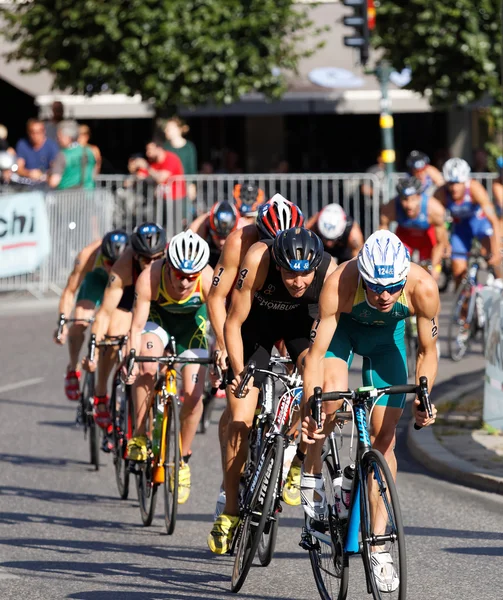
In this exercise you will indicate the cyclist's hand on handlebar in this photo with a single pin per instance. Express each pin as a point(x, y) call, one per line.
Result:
point(62, 338)
point(310, 431)
point(215, 377)
point(134, 374)
point(421, 417)
point(221, 358)
point(89, 365)
point(235, 384)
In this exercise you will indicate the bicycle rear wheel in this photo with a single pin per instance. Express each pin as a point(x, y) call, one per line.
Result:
point(460, 327)
point(90, 426)
point(120, 407)
point(147, 491)
point(382, 526)
point(171, 465)
point(328, 561)
point(259, 509)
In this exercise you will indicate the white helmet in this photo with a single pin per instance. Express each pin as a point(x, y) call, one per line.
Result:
point(332, 222)
point(383, 259)
point(456, 170)
point(188, 252)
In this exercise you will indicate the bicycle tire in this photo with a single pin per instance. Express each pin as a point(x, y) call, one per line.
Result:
point(120, 407)
point(330, 565)
point(171, 467)
point(374, 465)
point(262, 502)
point(457, 346)
point(145, 486)
point(87, 400)
point(208, 405)
point(267, 543)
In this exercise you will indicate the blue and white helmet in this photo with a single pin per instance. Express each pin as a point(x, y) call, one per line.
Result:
point(383, 259)
point(456, 170)
point(188, 252)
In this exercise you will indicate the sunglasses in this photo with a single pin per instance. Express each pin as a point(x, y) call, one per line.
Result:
point(392, 288)
point(149, 259)
point(180, 275)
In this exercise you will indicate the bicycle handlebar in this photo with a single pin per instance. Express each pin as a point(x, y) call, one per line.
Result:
point(249, 372)
point(92, 347)
point(424, 400)
point(63, 321)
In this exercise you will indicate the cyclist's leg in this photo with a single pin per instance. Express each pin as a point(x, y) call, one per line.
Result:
point(461, 241)
point(120, 324)
point(193, 377)
point(76, 334)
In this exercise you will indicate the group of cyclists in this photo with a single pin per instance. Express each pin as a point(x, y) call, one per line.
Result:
point(252, 274)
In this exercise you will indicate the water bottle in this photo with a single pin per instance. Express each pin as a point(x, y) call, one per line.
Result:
point(347, 482)
point(156, 434)
point(481, 317)
point(339, 506)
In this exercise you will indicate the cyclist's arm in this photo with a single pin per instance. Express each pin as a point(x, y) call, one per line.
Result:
point(224, 276)
point(440, 195)
point(200, 225)
point(387, 214)
point(480, 196)
point(83, 264)
point(355, 239)
point(120, 277)
point(310, 223)
point(207, 280)
point(436, 175)
point(426, 304)
point(436, 214)
point(145, 288)
point(252, 274)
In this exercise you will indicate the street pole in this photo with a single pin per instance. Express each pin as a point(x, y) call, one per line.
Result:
point(382, 72)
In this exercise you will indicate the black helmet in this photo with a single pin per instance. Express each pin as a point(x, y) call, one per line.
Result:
point(416, 161)
point(114, 243)
point(248, 197)
point(223, 218)
point(298, 250)
point(148, 239)
point(409, 186)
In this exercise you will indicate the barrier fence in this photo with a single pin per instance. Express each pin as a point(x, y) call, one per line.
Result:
point(77, 217)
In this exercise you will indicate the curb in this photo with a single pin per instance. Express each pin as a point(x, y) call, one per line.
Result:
point(428, 451)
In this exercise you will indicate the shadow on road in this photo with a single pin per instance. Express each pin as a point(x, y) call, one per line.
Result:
point(55, 496)
point(71, 407)
point(454, 533)
point(25, 460)
point(498, 551)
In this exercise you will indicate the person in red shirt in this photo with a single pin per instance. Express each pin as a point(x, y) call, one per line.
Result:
point(161, 166)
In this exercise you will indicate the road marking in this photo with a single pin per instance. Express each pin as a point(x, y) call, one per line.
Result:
point(20, 384)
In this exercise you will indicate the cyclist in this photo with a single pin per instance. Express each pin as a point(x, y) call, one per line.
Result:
point(274, 216)
point(89, 276)
point(248, 197)
point(215, 227)
point(170, 300)
point(420, 222)
point(418, 165)
point(148, 243)
point(473, 216)
point(340, 234)
point(278, 280)
point(362, 310)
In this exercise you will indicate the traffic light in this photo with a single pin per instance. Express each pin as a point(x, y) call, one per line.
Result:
point(359, 21)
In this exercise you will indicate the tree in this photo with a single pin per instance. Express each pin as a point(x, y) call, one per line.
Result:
point(452, 48)
point(174, 52)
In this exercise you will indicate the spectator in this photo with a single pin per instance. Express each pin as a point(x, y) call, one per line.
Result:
point(175, 130)
point(161, 166)
point(36, 153)
point(74, 166)
point(379, 170)
point(58, 114)
point(83, 139)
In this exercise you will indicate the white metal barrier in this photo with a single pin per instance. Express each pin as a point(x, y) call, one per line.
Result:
point(78, 217)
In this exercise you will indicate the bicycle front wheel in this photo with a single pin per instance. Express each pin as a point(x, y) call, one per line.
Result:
point(120, 408)
point(382, 530)
point(460, 326)
point(328, 561)
point(87, 400)
point(259, 511)
point(147, 491)
point(171, 466)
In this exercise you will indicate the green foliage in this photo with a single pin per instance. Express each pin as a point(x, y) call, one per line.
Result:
point(453, 48)
point(175, 52)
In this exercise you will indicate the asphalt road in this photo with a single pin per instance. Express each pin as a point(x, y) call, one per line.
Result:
point(65, 534)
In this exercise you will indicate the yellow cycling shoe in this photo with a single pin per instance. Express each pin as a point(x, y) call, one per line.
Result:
point(291, 489)
point(137, 448)
point(222, 533)
point(183, 483)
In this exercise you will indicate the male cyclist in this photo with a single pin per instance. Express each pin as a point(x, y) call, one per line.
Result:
point(278, 280)
point(361, 311)
point(89, 277)
point(420, 220)
point(170, 301)
point(148, 242)
point(473, 216)
point(215, 227)
point(418, 165)
point(248, 197)
point(340, 234)
point(278, 214)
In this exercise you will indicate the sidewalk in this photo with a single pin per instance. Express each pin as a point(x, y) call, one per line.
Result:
point(458, 447)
